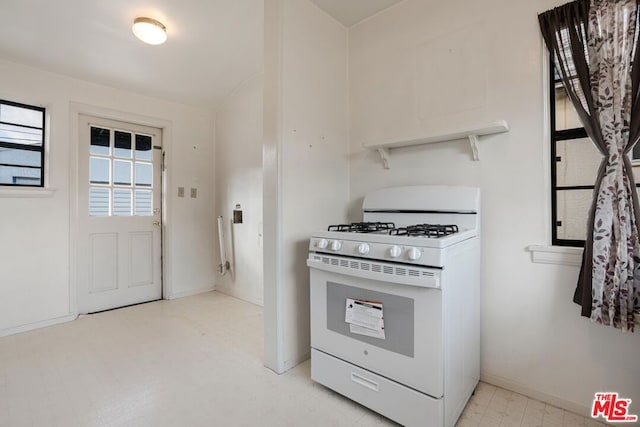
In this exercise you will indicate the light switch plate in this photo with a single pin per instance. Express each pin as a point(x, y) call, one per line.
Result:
point(180, 191)
point(194, 193)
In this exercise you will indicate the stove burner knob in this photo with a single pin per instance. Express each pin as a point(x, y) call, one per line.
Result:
point(395, 251)
point(363, 249)
point(322, 244)
point(414, 254)
point(336, 245)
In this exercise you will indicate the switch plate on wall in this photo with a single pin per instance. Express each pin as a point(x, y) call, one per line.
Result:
point(180, 191)
point(194, 193)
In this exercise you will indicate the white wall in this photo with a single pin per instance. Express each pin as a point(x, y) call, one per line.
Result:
point(35, 258)
point(238, 170)
point(306, 160)
point(423, 66)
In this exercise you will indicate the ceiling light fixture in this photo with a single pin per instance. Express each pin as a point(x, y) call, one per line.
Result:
point(149, 30)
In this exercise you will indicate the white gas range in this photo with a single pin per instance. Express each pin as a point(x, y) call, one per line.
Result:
point(415, 263)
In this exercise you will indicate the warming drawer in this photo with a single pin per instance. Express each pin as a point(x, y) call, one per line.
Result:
point(395, 401)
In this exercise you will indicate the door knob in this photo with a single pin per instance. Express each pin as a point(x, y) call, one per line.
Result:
point(156, 222)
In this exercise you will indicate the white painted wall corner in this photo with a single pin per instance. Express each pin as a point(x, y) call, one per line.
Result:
point(190, 292)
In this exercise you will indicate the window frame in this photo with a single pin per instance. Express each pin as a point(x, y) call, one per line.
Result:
point(134, 187)
point(564, 135)
point(555, 137)
point(41, 148)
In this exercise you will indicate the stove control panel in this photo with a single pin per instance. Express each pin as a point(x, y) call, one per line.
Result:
point(378, 251)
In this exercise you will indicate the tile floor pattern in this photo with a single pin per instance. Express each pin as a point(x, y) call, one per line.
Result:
point(192, 362)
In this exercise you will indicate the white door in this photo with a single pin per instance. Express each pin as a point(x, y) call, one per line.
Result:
point(119, 218)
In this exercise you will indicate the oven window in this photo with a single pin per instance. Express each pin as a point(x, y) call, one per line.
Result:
point(398, 317)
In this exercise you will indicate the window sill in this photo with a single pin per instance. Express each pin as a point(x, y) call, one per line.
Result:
point(562, 255)
point(26, 193)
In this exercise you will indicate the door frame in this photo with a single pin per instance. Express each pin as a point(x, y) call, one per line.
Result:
point(75, 110)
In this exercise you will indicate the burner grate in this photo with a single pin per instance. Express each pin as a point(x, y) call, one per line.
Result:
point(363, 227)
point(427, 230)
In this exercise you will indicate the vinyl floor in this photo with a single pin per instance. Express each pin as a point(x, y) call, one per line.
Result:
point(192, 362)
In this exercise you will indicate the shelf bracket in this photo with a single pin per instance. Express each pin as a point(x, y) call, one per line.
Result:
point(384, 155)
point(473, 140)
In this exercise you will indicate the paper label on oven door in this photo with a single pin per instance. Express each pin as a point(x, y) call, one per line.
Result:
point(355, 329)
point(365, 318)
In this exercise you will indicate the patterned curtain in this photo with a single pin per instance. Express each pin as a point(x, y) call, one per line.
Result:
point(594, 45)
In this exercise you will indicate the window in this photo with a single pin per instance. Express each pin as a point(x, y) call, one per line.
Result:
point(574, 164)
point(21, 145)
point(120, 173)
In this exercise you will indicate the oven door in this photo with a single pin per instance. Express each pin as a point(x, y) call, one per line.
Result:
point(411, 352)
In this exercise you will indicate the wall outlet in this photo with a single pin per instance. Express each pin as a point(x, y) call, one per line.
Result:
point(194, 193)
point(180, 191)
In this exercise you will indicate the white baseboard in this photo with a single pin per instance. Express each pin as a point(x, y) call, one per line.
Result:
point(292, 363)
point(288, 364)
point(535, 394)
point(37, 325)
point(191, 292)
point(228, 290)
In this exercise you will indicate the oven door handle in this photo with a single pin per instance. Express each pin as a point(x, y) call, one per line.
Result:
point(365, 382)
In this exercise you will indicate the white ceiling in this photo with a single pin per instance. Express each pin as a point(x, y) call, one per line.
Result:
point(213, 45)
point(350, 12)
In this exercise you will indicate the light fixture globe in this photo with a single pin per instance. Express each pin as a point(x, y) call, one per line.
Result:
point(149, 30)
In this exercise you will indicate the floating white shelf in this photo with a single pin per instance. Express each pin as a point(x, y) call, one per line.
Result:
point(473, 133)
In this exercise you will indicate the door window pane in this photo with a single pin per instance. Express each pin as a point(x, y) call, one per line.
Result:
point(121, 202)
point(122, 142)
point(144, 203)
point(143, 147)
point(121, 186)
point(98, 201)
point(99, 141)
point(99, 170)
point(121, 172)
point(144, 174)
